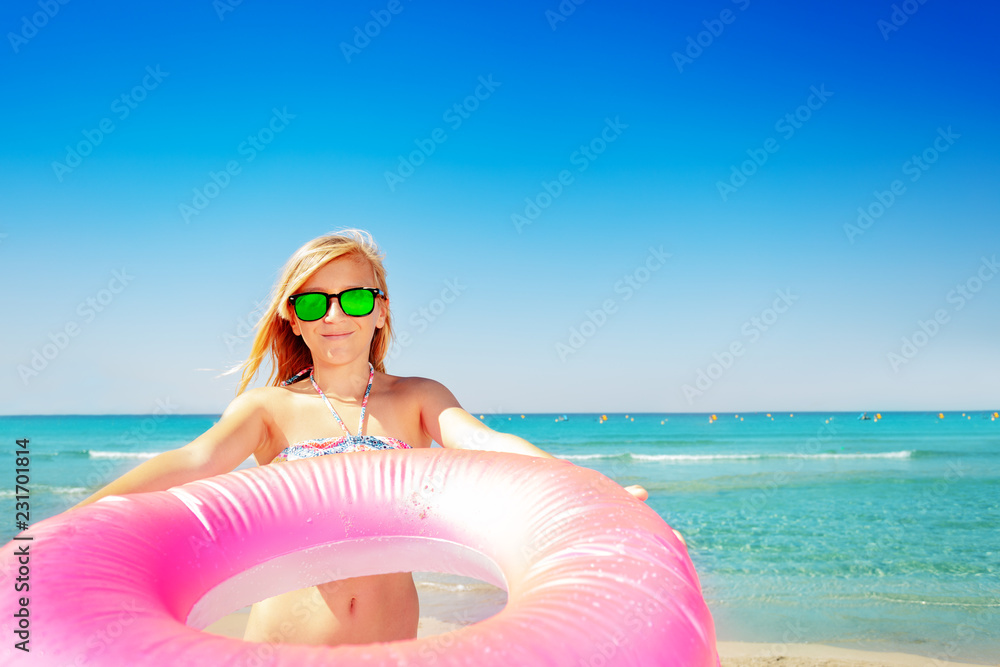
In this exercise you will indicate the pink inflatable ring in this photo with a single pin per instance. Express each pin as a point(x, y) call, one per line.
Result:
point(593, 576)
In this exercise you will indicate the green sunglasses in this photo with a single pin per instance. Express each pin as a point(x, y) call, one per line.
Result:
point(356, 302)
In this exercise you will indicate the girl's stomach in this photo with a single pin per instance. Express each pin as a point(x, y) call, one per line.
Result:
point(360, 610)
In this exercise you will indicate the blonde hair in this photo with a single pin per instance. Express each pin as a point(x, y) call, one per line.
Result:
point(275, 340)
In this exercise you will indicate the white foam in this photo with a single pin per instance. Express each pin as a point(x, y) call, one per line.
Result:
point(61, 490)
point(94, 454)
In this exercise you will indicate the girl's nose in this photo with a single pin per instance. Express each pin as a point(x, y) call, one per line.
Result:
point(334, 313)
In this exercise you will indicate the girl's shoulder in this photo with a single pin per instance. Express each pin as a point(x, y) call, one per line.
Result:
point(266, 399)
point(412, 384)
point(417, 390)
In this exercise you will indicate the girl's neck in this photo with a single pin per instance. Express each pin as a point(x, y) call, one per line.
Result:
point(345, 383)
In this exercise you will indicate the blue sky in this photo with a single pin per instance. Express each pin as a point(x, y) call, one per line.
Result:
point(702, 252)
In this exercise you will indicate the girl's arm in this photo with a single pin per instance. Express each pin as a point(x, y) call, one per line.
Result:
point(240, 430)
point(450, 426)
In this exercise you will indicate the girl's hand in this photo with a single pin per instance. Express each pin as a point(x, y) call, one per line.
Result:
point(638, 492)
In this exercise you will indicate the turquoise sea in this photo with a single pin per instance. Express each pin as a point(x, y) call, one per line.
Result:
point(882, 534)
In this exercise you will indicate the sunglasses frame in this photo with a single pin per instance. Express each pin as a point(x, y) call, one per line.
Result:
point(329, 301)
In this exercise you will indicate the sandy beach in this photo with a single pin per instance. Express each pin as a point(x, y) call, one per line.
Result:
point(733, 654)
point(746, 654)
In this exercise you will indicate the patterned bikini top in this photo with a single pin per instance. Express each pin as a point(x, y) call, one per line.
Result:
point(345, 443)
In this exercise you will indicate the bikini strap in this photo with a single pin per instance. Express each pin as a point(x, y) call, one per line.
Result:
point(298, 376)
point(364, 401)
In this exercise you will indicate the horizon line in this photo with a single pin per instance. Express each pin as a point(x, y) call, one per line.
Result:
point(556, 413)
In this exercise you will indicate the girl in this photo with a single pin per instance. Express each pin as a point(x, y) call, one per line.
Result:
point(330, 316)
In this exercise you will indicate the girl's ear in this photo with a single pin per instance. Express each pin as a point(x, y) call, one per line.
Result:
point(382, 310)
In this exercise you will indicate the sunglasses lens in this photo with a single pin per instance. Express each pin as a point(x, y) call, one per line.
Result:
point(357, 302)
point(310, 307)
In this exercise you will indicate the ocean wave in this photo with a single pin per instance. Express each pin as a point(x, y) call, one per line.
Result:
point(97, 454)
point(58, 490)
point(932, 603)
point(589, 457)
point(695, 458)
point(37, 453)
